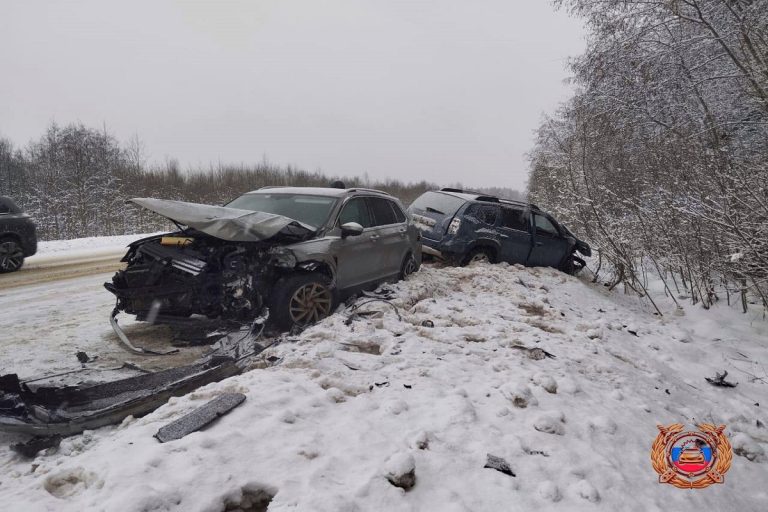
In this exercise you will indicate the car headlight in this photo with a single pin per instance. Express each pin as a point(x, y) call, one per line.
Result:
point(282, 257)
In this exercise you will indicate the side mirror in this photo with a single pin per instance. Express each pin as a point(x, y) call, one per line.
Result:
point(351, 229)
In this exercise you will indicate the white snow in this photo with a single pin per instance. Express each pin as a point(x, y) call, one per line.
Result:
point(345, 404)
point(60, 252)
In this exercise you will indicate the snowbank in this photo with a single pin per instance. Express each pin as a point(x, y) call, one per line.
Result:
point(80, 250)
point(350, 403)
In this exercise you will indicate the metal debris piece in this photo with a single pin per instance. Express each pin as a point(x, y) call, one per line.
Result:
point(499, 464)
point(68, 410)
point(200, 417)
point(719, 380)
point(127, 342)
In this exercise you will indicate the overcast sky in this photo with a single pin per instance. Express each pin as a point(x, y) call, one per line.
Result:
point(442, 90)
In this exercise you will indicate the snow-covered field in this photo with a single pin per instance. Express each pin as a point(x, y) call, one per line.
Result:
point(347, 402)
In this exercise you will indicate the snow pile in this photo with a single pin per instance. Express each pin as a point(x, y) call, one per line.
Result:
point(461, 370)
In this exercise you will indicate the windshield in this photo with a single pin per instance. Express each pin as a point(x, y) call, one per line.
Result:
point(311, 210)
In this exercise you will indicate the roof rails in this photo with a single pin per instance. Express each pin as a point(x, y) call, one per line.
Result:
point(359, 189)
point(491, 199)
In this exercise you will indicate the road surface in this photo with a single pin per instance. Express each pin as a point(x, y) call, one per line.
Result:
point(48, 315)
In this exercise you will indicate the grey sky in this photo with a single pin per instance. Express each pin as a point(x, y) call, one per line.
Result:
point(441, 90)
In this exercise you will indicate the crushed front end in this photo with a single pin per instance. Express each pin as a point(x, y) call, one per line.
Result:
point(182, 274)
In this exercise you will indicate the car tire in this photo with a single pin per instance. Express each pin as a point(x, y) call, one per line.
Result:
point(409, 266)
point(478, 254)
point(574, 265)
point(299, 300)
point(11, 255)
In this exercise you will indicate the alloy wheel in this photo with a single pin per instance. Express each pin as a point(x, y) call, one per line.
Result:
point(11, 256)
point(409, 267)
point(310, 303)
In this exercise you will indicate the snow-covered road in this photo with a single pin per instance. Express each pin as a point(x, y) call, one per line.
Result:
point(66, 259)
point(43, 326)
point(349, 400)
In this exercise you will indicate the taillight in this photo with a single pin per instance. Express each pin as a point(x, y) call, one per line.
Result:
point(454, 226)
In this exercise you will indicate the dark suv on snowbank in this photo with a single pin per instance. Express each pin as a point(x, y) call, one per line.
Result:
point(18, 237)
point(461, 227)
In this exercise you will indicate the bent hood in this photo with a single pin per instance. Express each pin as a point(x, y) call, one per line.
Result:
point(231, 224)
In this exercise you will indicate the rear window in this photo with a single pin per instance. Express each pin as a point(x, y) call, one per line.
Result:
point(484, 213)
point(398, 212)
point(437, 202)
point(514, 219)
point(383, 214)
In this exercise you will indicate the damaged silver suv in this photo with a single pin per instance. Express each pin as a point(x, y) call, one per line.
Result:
point(297, 251)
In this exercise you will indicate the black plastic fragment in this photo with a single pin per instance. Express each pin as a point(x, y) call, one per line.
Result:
point(200, 417)
point(33, 446)
point(719, 380)
point(499, 465)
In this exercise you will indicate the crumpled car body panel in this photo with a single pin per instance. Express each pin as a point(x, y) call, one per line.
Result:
point(230, 224)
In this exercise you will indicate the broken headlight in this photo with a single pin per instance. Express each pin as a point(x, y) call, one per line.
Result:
point(282, 257)
point(454, 226)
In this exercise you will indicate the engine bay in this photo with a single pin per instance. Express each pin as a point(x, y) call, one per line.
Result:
point(181, 274)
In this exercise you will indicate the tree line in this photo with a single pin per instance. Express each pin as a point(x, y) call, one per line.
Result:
point(75, 180)
point(660, 157)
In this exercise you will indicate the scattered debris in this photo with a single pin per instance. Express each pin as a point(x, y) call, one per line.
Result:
point(633, 333)
point(365, 347)
point(401, 471)
point(200, 417)
point(534, 353)
point(252, 499)
point(428, 323)
point(719, 380)
point(535, 452)
point(69, 410)
point(354, 309)
point(33, 446)
point(499, 464)
point(127, 342)
point(83, 357)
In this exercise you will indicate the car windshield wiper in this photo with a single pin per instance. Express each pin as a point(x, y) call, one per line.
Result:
point(430, 209)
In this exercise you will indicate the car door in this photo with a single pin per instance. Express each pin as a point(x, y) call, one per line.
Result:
point(549, 246)
point(515, 235)
point(390, 236)
point(357, 257)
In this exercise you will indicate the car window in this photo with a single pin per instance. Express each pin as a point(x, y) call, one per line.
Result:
point(544, 226)
point(483, 212)
point(383, 214)
point(399, 215)
point(513, 218)
point(437, 202)
point(356, 211)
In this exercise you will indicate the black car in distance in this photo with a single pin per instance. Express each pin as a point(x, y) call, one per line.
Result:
point(18, 236)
